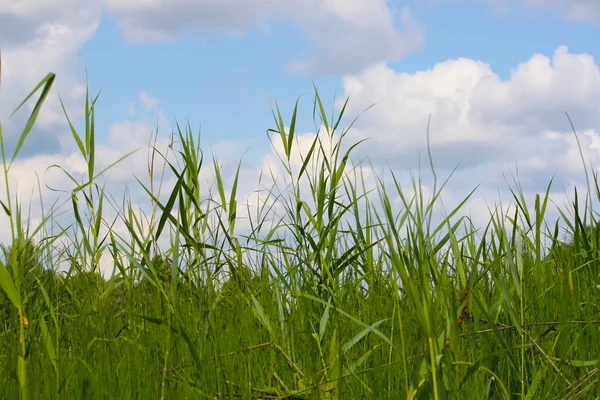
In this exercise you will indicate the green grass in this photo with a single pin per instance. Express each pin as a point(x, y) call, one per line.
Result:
point(338, 290)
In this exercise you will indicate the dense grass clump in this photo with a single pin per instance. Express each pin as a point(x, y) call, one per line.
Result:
point(337, 290)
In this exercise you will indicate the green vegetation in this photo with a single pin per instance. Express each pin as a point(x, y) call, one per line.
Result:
point(336, 291)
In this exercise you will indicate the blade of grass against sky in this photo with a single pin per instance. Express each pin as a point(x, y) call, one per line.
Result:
point(10, 278)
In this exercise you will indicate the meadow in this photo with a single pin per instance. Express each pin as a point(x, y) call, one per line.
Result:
point(337, 290)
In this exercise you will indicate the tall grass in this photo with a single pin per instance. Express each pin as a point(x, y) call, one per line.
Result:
point(339, 289)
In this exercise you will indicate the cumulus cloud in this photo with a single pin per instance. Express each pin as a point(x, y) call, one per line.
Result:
point(38, 37)
point(343, 36)
point(477, 118)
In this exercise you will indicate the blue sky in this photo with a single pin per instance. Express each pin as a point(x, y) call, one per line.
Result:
point(497, 76)
point(206, 76)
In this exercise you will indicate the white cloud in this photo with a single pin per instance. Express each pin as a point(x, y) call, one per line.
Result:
point(344, 36)
point(149, 102)
point(477, 118)
point(39, 37)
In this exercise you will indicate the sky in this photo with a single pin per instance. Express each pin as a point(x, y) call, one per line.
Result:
point(496, 76)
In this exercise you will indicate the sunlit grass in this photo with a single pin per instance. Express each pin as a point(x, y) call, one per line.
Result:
point(336, 291)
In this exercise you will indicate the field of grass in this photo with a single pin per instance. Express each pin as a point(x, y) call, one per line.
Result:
point(337, 291)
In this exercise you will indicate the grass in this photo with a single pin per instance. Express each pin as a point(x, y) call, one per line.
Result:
point(338, 290)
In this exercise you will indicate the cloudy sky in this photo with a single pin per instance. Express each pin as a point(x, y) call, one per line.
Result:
point(496, 75)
